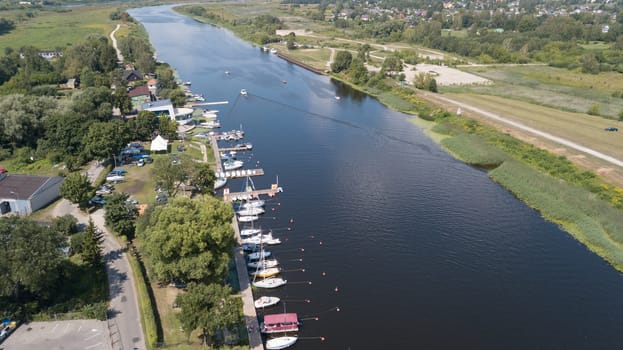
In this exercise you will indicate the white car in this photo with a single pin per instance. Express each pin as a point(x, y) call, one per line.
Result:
point(115, 178)
point(141, 162)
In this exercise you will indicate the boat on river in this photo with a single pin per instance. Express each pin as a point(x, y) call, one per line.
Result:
point(248, 218)
point(280, 343)
point(244, 92)
point(263, 264)
point(252, 204)
point(266, 301)
point(250, 231)
point(219, 182)
point(266, 273)
point(262, 239)
point(272, 282)
point(251, 211)
point(247, 146)
point(277, 323)
point(259, 255)
point(232, 164)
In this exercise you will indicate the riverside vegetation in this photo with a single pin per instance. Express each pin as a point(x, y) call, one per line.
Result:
point(580, 202)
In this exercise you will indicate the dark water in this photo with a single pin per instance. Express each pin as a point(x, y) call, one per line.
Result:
point(417, 250)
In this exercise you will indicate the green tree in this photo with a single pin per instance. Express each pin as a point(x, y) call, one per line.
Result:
point(167, 128)
point(358, 73)
point(363, 53)
point(432, 85)
point(210, 308)
point(65, 225)
point(342, 61)
point(94, 102)
point(589, 63)
point(171, 174)
point(392, 65)
point(91, 249)
point(143, 126)
point(31, 255)
point(202, 177)
point(189, 240)
point(594, 110)
point(105, 139)
point(77, 189)
point(121, 215)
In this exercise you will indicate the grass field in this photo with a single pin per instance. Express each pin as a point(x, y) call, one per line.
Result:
point(317, 58)
point(554, 87)
point(50, 30)
point(582, 128)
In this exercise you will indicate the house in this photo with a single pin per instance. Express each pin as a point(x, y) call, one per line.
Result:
point(24, 194)
point(139, 95)
point(152, 85)
point(165, 107)
point(132, 75)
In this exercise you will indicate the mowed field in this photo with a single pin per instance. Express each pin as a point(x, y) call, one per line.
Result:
point(548, 86)
point(49, 30)
point(583, 129)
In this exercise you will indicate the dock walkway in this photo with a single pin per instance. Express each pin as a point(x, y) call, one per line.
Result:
point(248, 307)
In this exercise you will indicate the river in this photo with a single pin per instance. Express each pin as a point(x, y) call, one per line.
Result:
point(415, 249)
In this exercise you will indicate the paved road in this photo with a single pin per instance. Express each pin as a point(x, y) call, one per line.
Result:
point(545, 135)
point(125, 323)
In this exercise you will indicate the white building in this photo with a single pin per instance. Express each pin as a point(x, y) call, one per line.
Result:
point(165, 107)
point(24, 194)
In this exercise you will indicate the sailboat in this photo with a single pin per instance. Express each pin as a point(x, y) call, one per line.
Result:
point(281, 342)
point(266, 273)
point(263, 264)
point(251, 211)
point(248, 218)
point(266, 301)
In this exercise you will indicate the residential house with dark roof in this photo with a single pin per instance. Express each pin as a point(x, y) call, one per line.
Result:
point(132, 75)
point(139, 95)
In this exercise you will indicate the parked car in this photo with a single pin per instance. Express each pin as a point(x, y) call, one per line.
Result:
point(181, 148)
point(115, 178)
point(162, 197)
point(97, 200)
point(149, 160)
point(119, 171)
point(104, 189)
point(131, 201)
point(140, 162)
point(612, 128)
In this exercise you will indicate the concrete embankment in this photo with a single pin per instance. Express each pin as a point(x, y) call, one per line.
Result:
point(301, 64)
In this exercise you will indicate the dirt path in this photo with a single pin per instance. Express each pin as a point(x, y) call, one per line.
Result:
point(114, 43)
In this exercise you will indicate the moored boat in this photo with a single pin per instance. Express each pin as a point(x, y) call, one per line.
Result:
point(263, 264)
point(250, 231)
point(266, 301)
point(259, 255)
point(233, 164)
point(219, 182)
point(272, 282)
point(244, 92)
point(266, 273)
point(251, 211)
point(280, 343)
point(248, 218)
point(252, 204)
point(276, 323)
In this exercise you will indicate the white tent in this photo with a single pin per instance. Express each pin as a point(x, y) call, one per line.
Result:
point(159, 144)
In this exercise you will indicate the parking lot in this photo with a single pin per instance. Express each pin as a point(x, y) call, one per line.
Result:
point(66, 335)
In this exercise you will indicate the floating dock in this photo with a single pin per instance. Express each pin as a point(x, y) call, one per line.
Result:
point(236, 174)
point(199, 104)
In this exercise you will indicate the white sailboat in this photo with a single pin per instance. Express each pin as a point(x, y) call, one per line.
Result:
point(250, 231)
point(262, 254)
point(251, 211)
point(281, 342)
point(219, 182)
point(272, 282)
point(248, 218)
point(263, 264)
point(257, 203)
point(266, 273)
point(266, 301)
point(232, 164)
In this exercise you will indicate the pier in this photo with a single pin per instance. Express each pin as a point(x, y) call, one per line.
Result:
point(228, 197)
point(241, 148)
point(199, 104)
point(235, 174)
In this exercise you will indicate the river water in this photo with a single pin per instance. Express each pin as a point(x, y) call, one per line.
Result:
point(415, 249)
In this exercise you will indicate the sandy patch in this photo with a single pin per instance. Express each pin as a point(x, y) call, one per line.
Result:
point(444, 75)
point(297, 32)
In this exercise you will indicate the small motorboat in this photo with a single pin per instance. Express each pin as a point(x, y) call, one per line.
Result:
point(245, 146)
point(273, 50)
point(259, 255)
point(250, 231)
point(226, 72)
point(244, 92)
point(266, 301)
point(252, 204)
point(220, 182)
point(248, 218)
point(272, 282)
point(280, 343)
point(250, 248)
point(263, 264)
point(262, 239)
point(251, 211)
point(232, 164)
point(265, 273)
point(337, 97)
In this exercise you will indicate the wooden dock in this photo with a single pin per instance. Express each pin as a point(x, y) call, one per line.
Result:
point(228, 197)
point(199, 104)
point(235, 174)
point(248, 307)
point(226, 149)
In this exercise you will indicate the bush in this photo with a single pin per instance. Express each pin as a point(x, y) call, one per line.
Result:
point(594, 110)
